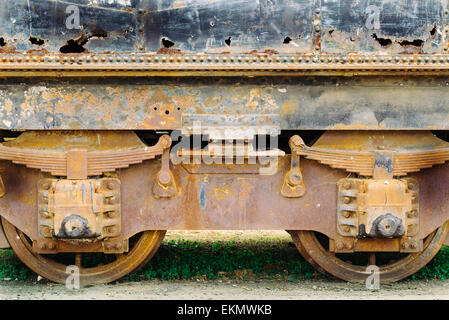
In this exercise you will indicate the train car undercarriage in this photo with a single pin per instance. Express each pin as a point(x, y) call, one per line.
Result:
point(333, 129)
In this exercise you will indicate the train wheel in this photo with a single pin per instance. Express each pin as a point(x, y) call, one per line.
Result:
point(95, 268)
point(352, 267)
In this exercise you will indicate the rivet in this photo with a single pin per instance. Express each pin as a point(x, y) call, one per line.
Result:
point(346, 214)
point(346, 200)
point(347, 185)
point(45, 214)
point(43, 246)
point(340, 245)
point(110, 185)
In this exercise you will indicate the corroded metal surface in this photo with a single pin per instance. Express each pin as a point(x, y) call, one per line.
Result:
point(224, 201)
point(224, 26)
point(266, 103)
point(356, 152)
point(319, 255)
point(58, 162)
point(55, 269)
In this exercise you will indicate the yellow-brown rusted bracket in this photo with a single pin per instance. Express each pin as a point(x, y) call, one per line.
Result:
point(165, 185)
point(293, 184)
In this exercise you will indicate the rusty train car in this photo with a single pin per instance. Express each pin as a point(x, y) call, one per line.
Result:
point(121, 119)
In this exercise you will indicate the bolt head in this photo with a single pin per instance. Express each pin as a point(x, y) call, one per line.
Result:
point(347, 185)
point(45, 214)
point(165, 141)
point(110, 185)
point(164, 178)
point(46, 186)
point(340, 245)
point(346, 229)
point(346, 200)
point(346, 214)
point(294, 178)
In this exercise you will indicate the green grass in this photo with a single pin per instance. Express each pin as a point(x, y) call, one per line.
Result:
point(183, 259)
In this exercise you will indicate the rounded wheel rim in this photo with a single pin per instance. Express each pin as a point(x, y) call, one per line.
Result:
point(140, 253)
point(329, 263)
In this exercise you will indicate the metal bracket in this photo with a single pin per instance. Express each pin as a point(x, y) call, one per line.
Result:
point(115, 245)
point(293, 184)
point(165, 185)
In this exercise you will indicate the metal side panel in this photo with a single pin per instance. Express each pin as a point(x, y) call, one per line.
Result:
point(232, 103)
point(232, 26)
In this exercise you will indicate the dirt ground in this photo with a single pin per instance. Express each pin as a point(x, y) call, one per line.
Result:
point(317, 289)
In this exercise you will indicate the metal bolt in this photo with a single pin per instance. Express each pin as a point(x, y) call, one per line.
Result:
point(294, 179)
point(164, 178)
point(346, 229)
point(346, 200)
point(411, 214)
point(404, 245)
point(118, 246)
point(349, 245)
point(45, 214)
point(111, 229)
point(412, 245)
point(51, 246)
point(411, 185)
point(112, 200)
point(110, 185)
point(111, 214)
point(346, 214)
point(340, 245)
point(43, 246)
point(347, 185)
